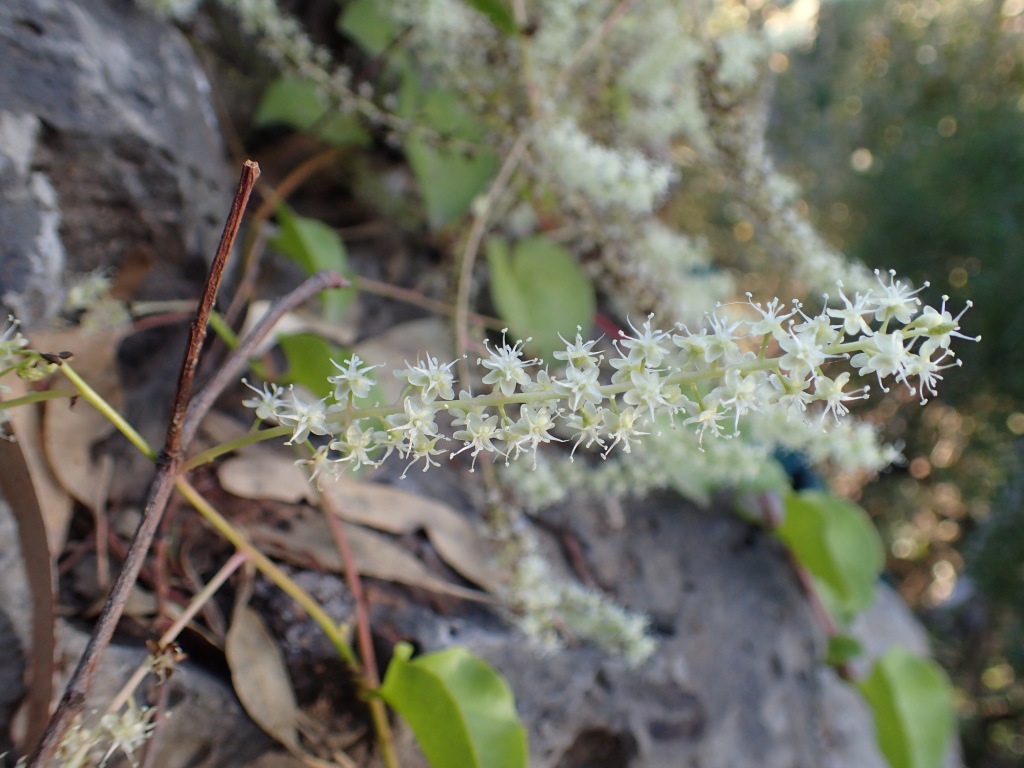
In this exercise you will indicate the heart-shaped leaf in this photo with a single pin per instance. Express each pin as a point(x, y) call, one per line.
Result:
point(912, 700)
point(836, 541)
point(315, 246)
point(461, 711)
point(540, 291)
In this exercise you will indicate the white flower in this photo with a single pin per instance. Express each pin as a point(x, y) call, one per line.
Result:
point(852, 314)
point(320, 465)
point(831, 391)
point(416, 419)
point(353, 381)
point(581, 386)
point(431, 378)
point(479, 434)
point(895, 300)
point(10, 342)
point(579, 354)
point(268, 403)
point(622, 430)
point(884, 356)
point(356, 446)
point(533, 428)
point(507, 367)
point(645, 346)
point(305, 418)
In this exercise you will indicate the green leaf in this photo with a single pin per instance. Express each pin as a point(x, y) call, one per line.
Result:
point(296, 103)
point(449, 168)
point(540, 291)
point(309, 362)
point(498, 13)
point(912, 700)
point(836, 541)
point(314, 246)
point(289, 101)
point(842, 648)
point(461, 711)
point(364, 22)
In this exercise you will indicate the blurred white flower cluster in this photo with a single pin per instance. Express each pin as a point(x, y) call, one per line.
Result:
point(773, 365)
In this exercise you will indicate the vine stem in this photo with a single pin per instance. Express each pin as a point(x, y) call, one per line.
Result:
point(371, 676)
point(472, 248)
point(77, 690)
point(268, 568)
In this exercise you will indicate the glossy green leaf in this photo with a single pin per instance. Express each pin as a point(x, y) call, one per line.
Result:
point(461, 711)
point(540, 291)
point(365, 22)
point(296, 103)
point(498, 12)
point(315, 246)
point(836, 541)
point(912, 701)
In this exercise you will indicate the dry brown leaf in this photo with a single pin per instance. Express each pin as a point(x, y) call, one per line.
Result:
point(18, 488)
point(260, 677)
point(71, 431)
point(262, 474)
point(54, 502)
point(309, 539)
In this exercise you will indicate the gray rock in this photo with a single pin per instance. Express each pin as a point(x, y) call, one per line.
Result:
point(108, 149)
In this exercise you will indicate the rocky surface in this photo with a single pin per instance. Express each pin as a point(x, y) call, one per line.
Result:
point(109, 151)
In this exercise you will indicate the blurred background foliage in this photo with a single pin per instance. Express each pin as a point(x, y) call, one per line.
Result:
point(925, 101)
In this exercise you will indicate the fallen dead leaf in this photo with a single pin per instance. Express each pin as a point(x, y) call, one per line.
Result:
point(54, 502)
point(263, 474)
point(308, 540)
point(260, 677)
point(71, 431)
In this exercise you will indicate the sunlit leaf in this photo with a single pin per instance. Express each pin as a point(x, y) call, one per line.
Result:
point(836, 541)
point(315, 246)
point(540, 291)
point(461, 711)
point(912, 701)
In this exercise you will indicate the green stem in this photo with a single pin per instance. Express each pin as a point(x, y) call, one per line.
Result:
point(233, 445)
point(336, 633)
point(223, 330)
point(111, 413)
point(37, 397)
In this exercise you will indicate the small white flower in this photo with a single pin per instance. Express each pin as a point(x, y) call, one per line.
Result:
point(852, 314)
point(533, 428)
point(507, 367)
point(479, 435)
point(895, 299)
point(431, 378)
point(579, 354)
point(320, 466)
point(305, 418)
point(622, 430)
point(353, 381)
point(831, 391)
point(10, 342)
point(884, 355)
point(645, 345)
point(268, 403)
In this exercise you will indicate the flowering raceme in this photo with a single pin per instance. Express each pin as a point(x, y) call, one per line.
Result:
point(772, 362)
